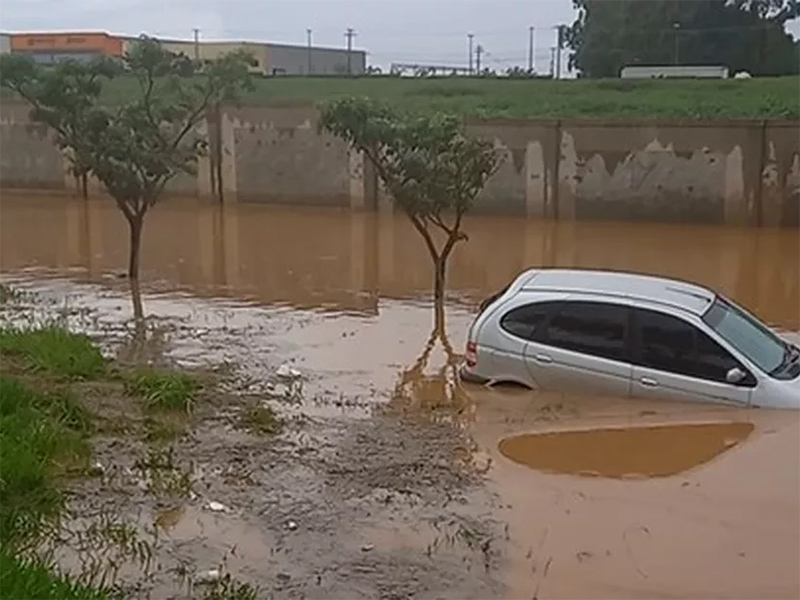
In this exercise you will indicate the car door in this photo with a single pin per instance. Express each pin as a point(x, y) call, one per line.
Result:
point(518, 327)
point(583, 348)
point(675, 360)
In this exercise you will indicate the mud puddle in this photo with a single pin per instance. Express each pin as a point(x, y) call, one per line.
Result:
point(625, 453)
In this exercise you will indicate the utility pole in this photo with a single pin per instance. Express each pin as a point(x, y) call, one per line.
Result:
point(560, 46)
point(349, 34)
point(676, 56)
point(531, 45)
point(308, 38)
point(196, 43)
point(470, 36)
point(478, 52)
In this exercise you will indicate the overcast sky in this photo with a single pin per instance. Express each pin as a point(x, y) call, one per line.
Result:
point(423, 31)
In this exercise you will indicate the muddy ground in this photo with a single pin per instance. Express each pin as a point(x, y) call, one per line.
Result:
point(334, 506)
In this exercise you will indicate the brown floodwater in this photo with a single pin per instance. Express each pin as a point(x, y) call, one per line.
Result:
point(629, 452)
point(345, 261)
point(344, 297)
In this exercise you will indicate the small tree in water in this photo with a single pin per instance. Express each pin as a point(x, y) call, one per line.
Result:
point(138, 147)
point(62, 97)
point(431, 168)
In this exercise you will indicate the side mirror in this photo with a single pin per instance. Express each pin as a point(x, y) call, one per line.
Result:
point(735, 375)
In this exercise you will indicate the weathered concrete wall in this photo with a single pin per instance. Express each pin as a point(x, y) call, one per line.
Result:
point(278, 157)
point(28, 156)
point(680, 173)
point(524, 180)
point(738, 172)
point(780, 175)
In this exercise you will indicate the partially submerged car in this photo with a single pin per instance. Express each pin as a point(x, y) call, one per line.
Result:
point(624, 334)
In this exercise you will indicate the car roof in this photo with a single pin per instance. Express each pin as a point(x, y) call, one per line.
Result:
point(646, 288)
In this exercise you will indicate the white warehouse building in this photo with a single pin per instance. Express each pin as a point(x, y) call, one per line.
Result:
point(278, 59)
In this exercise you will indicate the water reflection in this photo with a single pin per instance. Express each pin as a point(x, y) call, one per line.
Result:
point(344, 261)
point(433, 393)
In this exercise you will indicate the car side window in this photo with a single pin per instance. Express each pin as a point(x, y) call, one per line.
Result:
point(670, 344)
point(594, 328)
point(526, 321)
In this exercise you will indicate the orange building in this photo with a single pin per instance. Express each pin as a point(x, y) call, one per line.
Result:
point(48, 48)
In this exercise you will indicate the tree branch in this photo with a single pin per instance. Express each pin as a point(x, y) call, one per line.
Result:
point(420, 226)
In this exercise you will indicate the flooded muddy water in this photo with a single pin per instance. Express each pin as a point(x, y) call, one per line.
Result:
point(393, 473)
point(625, 453)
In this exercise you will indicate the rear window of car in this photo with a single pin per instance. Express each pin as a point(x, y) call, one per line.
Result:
point(527, 321)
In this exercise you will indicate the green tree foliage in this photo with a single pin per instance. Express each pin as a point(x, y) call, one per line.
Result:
point(134, 148)
point(740, 34)
point(63, 98)
point(431, 168)
point(140, 146)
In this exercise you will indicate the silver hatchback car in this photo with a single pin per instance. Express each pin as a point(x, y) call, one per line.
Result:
point(630, 335)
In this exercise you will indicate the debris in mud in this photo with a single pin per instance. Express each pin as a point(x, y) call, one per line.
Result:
point(208, 577)
point(291, 526)
point(286, 371)
point(217, 507)
point(367, 547)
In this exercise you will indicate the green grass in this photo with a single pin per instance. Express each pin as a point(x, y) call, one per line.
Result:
point(21, 579)
point(163, 390)
point(54, 350)
point(227, 588)
point(758, 98)
point(42, 437)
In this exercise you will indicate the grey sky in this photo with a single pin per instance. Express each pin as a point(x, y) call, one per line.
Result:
point(426, 31)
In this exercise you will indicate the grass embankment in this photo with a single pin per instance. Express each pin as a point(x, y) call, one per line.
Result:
point(56, 392)
point(759, 98)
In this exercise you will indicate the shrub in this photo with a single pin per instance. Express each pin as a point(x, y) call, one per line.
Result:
point(54, 350)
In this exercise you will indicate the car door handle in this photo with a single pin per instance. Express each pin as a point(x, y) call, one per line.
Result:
point(543, 358)
point(648, 382)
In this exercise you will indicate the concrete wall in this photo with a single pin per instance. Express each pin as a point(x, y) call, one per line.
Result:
point(728, 172)
point(5, 43)
point(294, 60)
point(277, 156)
point(29, 158)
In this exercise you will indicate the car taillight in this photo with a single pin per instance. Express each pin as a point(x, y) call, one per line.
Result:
point(472, 354)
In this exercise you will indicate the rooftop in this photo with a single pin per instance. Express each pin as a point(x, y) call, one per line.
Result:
point(687, 296)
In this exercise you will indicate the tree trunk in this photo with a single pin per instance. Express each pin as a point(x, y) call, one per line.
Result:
point(135, 224)
point(84, 183)
point(138, 310)
point(439, 283)
point(439, 278)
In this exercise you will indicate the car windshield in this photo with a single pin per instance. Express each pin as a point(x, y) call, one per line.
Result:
point(747, 334)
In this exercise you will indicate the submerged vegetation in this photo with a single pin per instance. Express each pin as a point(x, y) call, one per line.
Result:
point(57, 392)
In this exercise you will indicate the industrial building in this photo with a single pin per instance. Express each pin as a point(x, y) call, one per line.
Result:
point(49, 48)
point(279, 59)
point(5, 43)
point(269, 59)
